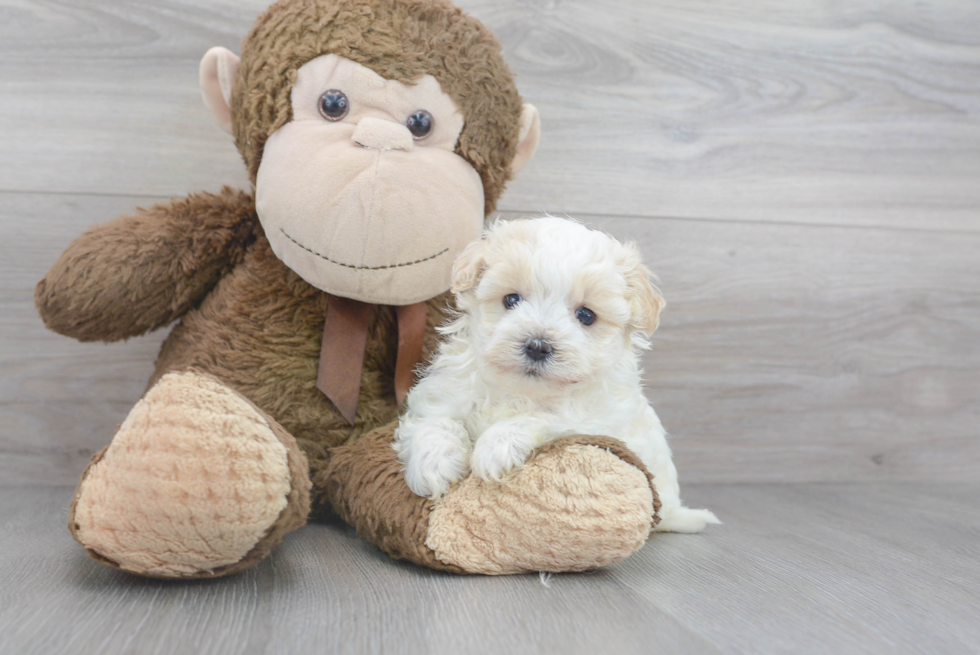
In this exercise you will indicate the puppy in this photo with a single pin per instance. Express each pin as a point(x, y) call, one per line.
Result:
point(553, 317)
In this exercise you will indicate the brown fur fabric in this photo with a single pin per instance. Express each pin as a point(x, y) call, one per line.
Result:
point(247, 319)
point(138, 273)
point(398, 39)
point(259, 332)
point(250, 321)
point(368, 491)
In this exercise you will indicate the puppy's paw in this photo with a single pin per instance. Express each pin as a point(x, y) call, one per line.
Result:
point(434, 460)
point(686, 520)
point(502, 448)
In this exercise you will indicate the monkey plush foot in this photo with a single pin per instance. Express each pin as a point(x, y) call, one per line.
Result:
point(196, 483)
point(577, 504)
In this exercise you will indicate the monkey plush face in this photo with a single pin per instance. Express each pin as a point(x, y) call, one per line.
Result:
point(362, 193)
point(374, 160)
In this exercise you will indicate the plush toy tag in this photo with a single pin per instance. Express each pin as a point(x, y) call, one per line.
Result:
point(342, 351)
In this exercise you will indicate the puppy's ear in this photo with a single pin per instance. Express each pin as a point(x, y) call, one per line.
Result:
point(644, 298)
point(469, 266)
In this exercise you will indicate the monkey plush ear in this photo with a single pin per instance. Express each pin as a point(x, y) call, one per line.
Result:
point(218, 68)
point(527, 143)
point(469, 266)
point(644, 298)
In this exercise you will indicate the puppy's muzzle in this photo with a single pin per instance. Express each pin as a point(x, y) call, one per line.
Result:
point(537, 350)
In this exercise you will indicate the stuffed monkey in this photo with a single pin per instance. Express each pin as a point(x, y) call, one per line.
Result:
point(378, 135)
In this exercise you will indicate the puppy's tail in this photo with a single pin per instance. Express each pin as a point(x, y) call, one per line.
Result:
point(686, 520)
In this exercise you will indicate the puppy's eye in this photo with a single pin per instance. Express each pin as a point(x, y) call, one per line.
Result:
point(420, 124)
point(585, 316)
point(511, 300)
point(334, 105)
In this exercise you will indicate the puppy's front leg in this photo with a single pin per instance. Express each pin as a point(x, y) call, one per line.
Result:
point(434, 451)
point(506, 444)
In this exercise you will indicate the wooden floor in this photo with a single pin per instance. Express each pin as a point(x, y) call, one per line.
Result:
point(866, 568)
point(803, 176)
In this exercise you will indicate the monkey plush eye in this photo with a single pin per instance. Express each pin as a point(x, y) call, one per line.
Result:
point(585, 316)
point(334, 105)
point(511, 300)
point(420, 124)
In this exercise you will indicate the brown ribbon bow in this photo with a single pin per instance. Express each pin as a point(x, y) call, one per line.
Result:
point(342, 351)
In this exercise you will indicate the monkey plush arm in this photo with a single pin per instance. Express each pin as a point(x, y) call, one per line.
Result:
point(138, 273)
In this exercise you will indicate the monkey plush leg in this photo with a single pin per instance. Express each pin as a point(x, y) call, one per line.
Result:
point(577, 504)
point(197, 483)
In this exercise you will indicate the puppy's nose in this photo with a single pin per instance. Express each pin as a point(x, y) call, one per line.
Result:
point(537, 349)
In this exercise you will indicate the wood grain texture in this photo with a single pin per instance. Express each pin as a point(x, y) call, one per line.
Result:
point(843, 113)
point(850, 113)
point(802, 176)
point(796, 569)
point(806, 353)
point(59, 399)
point(786, 352)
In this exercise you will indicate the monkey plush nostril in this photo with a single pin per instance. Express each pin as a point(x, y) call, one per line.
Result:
point(537, 349)
point(381, 134)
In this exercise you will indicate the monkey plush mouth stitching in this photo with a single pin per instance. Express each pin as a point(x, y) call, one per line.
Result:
point(362, 268)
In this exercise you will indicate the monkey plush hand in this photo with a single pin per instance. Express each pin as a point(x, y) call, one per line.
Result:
point(378, 135)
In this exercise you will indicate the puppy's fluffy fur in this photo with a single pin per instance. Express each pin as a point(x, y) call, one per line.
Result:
point(521, 364)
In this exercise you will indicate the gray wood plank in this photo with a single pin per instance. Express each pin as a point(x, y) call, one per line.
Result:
point(872, 568)
point(857, 113)
point(797, 353)
point(60, 400)
point(796, 568)
point(786, 352)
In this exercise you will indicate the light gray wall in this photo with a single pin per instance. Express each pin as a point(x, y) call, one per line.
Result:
point(805, 180)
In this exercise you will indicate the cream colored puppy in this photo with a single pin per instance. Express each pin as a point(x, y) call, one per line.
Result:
point(553, 319)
